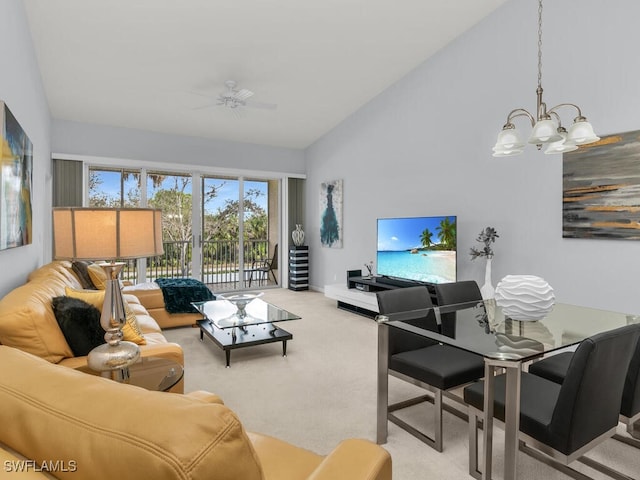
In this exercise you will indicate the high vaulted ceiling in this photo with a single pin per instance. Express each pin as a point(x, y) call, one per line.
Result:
point(153, 64)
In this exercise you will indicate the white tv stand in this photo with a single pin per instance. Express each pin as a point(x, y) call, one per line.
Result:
point(353, 300)
point(359, 295)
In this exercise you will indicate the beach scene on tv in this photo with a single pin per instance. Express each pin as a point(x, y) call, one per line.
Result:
point(417, 248)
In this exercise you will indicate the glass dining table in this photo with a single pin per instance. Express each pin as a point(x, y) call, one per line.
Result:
point(505, 343)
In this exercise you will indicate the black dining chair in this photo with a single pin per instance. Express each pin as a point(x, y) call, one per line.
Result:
point(457, 292)
point(452, 293)
point(424, 362)
point(563, 421)
point(555, 368)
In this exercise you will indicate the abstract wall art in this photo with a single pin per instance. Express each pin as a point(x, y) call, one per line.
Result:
point(601, 189)
point(331, 214)
point(16, 163)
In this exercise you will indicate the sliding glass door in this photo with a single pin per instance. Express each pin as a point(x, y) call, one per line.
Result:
point(172, 193)
point(237, 243)
point(223, 230)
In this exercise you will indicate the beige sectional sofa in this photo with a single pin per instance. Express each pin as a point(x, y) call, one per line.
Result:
point(110, 430)
point(27, 319)
point(59, 422)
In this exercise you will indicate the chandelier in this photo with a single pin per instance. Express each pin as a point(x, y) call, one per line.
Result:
point(546, 126)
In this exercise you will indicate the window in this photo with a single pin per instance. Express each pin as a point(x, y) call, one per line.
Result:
point(114, 188)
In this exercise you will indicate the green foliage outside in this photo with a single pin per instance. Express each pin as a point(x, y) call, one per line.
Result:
point(220, 228)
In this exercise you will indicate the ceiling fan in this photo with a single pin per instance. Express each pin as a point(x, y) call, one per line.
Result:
point(236, 99)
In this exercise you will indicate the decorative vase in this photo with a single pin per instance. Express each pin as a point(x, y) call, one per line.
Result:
point(487, 289)
point(524, 297)
point(298, 236)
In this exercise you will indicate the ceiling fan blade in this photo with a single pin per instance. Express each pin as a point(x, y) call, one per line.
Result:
point(243, 94)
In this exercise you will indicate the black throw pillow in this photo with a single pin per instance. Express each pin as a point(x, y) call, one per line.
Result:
point(80, 324)
point(80, 268)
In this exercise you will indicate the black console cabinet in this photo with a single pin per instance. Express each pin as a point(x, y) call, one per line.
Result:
point(299, 268)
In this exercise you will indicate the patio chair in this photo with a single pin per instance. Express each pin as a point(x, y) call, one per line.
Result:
point(264, 266)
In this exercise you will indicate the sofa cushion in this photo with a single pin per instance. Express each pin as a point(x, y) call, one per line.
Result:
point(271, 451)
point(81, 269)
point(60, 270)
point(150, 434)
point(148, 293)
point(130, 331)
point(27, 321)
point(146, 322)
point(98, 276)
point(80, 324)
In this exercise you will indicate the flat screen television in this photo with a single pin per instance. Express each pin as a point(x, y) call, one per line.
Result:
point(417, 248)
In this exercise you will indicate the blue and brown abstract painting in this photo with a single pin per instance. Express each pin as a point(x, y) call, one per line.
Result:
point(16, 160)
point(601, 189)
point(331, 214)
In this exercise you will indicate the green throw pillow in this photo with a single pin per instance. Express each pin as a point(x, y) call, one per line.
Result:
point(80, 324)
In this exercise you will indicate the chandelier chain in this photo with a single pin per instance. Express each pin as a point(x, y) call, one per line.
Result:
point(539, 43)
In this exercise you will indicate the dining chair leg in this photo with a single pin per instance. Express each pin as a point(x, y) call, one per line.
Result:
point(633, 429)
point(487, 419)
point(382, 411)
point(473, 445)
point(437, 417)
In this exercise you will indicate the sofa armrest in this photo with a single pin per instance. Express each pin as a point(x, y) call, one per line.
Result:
point(205, 396)
point(355, 459)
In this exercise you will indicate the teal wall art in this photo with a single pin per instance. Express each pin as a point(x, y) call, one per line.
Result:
point(331, 214)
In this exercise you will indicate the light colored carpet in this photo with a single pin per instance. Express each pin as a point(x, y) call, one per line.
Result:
point(325, 391)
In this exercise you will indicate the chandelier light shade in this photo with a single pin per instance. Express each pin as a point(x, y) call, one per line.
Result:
point(109, 234)
point(561, 145)
point(581, 132)
point(546, 125)
point(509, 142)
point(544, 131)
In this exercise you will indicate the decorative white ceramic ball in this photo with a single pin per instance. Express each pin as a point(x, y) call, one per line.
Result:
point(524, 297)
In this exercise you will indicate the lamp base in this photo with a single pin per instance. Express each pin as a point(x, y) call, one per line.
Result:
point(110, 358)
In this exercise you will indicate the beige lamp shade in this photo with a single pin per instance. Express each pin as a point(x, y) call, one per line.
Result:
point(106, 233)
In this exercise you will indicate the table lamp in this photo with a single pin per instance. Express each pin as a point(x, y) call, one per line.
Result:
point(109, 234)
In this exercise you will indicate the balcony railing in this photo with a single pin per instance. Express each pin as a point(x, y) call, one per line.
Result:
point(220, 264)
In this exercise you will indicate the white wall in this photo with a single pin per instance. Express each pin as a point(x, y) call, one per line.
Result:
point(21, 89)
point(123, 143)
point(423, 147)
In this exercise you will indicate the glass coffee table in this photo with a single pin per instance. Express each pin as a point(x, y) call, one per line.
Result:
point(233, 323)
